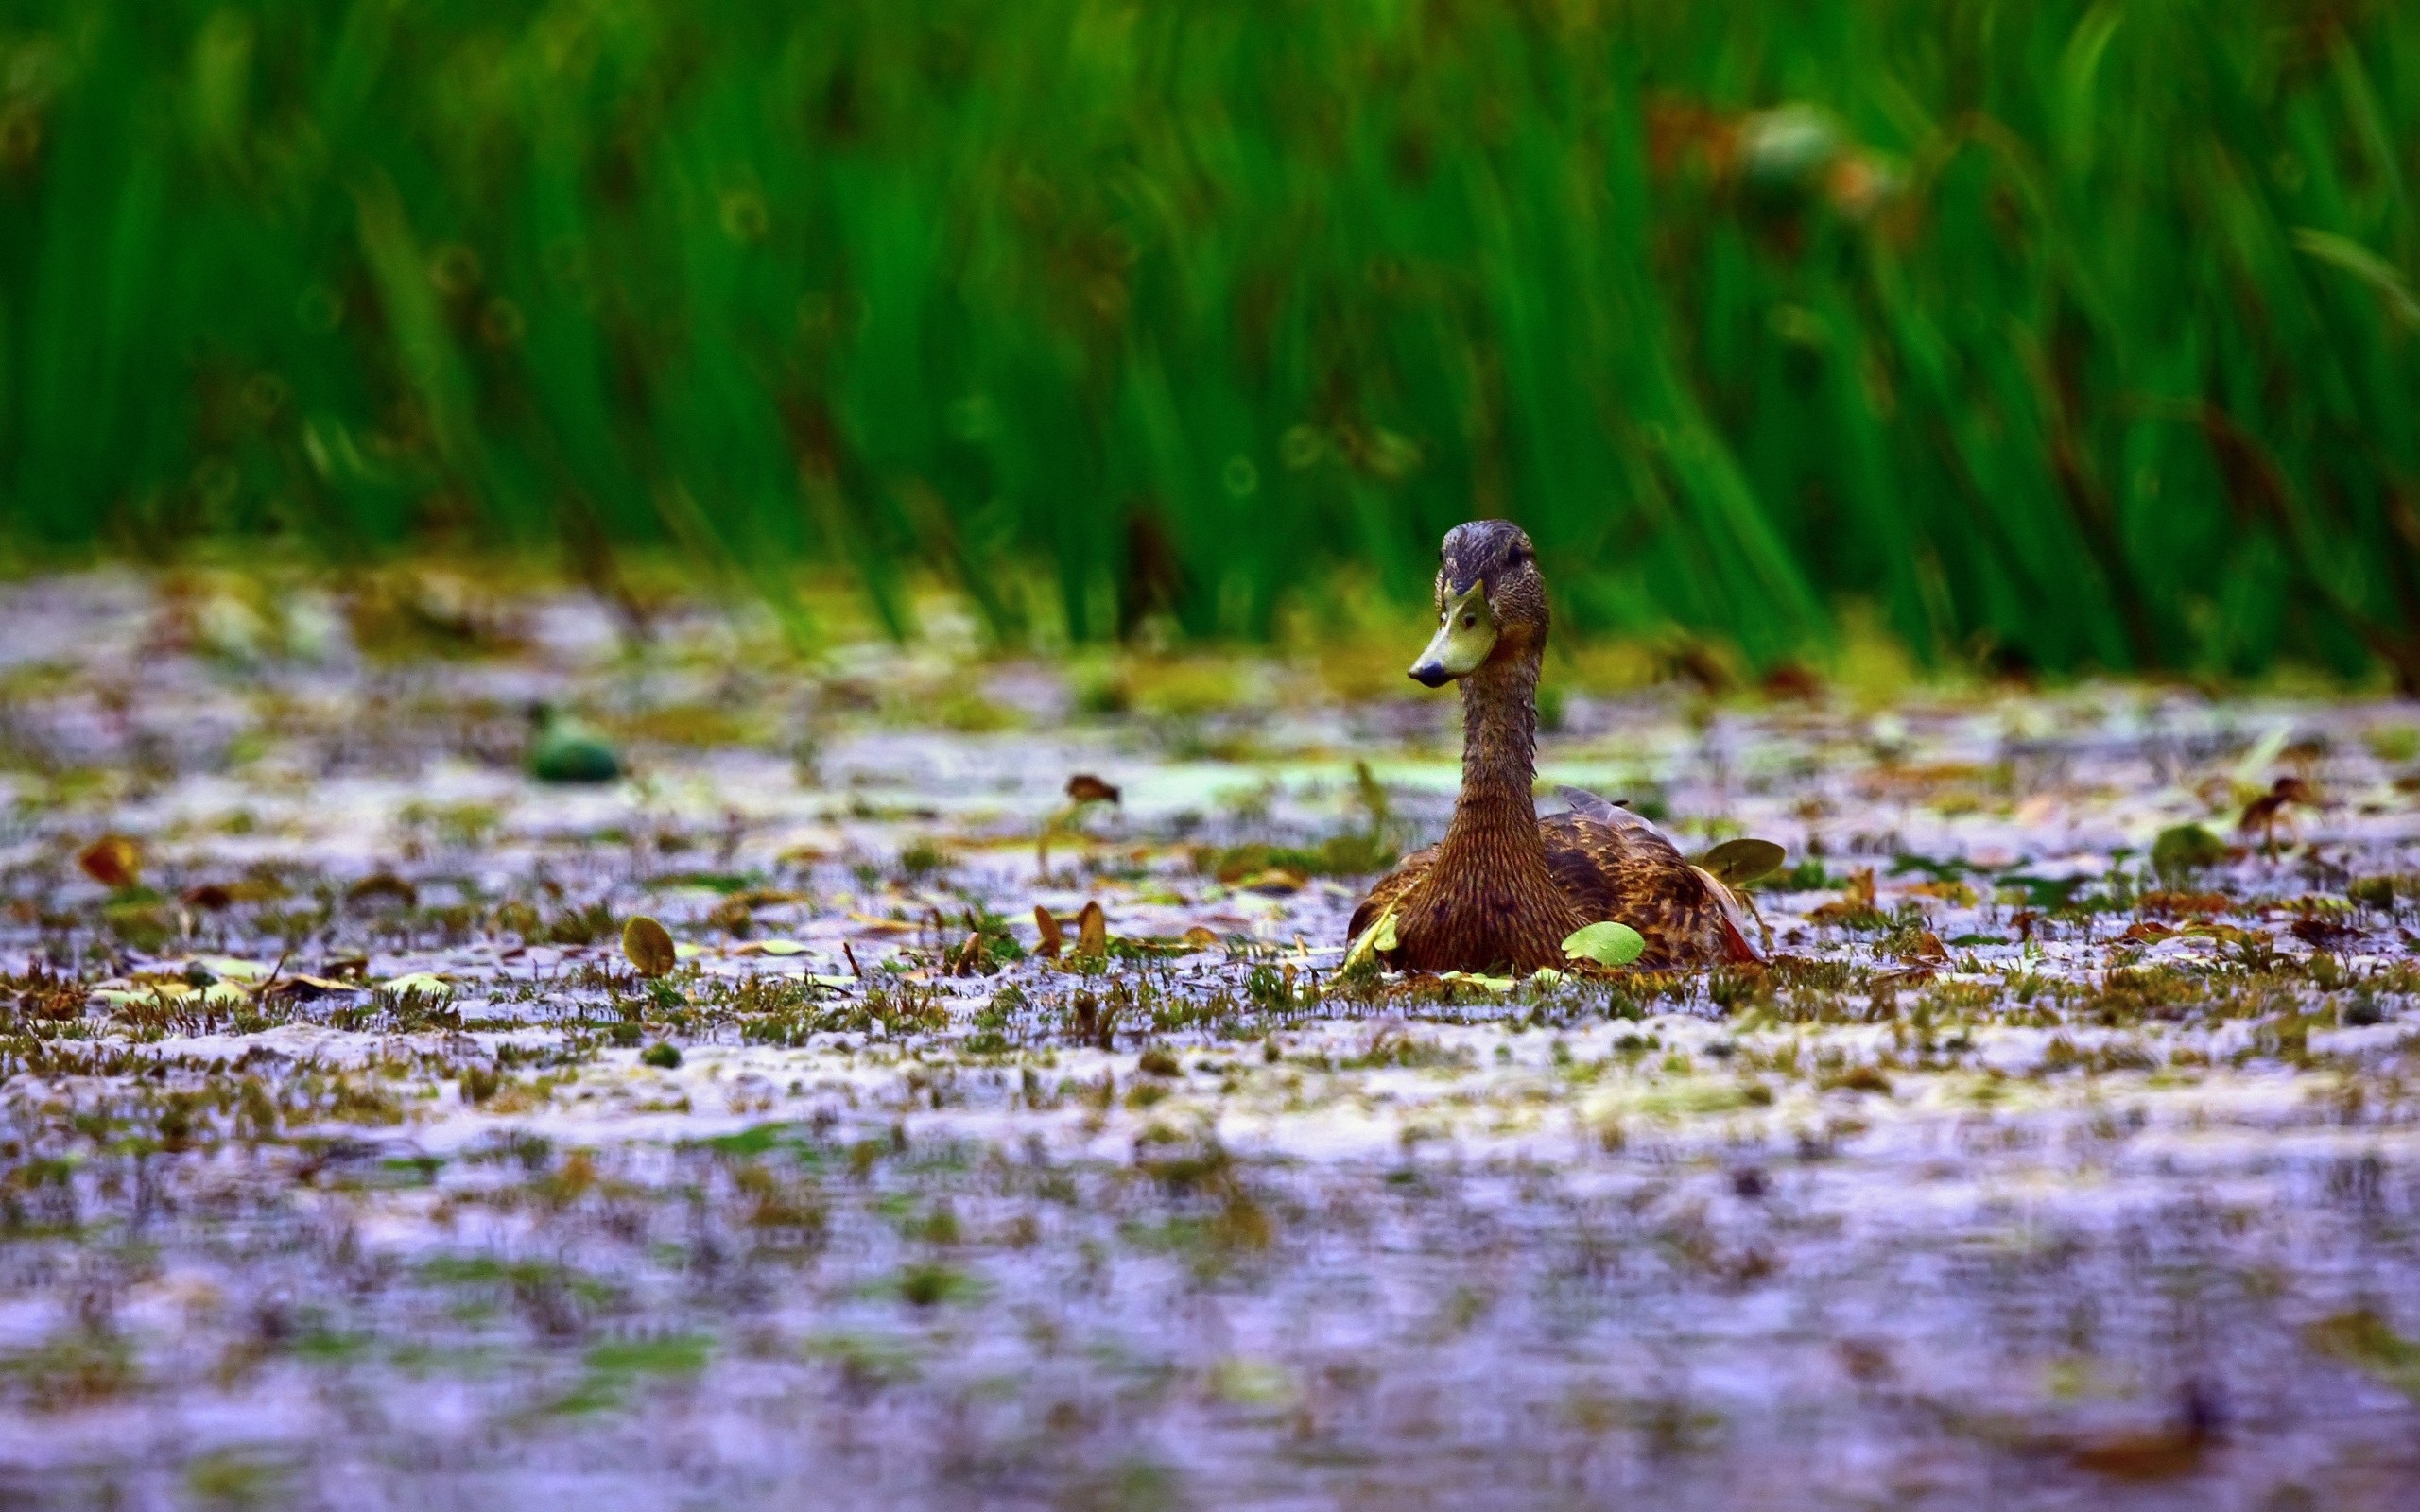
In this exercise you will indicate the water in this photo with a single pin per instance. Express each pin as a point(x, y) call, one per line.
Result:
point(1973, 1200)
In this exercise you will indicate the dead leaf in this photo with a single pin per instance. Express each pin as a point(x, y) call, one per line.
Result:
point(308, 988)
point(1855, 901)
point(1046, 925)
point(112, 861)
point(1085, 788)
point(2149, 930)
point(1202, 937)
point(210, 896)
point(2152, 1456)
point(649, 947)
point(383, 886)
point(1091, 932)
point(1275, 880)
point(2323, 933)
point(968, 959)
point(2172, 903)
point(1930, 948)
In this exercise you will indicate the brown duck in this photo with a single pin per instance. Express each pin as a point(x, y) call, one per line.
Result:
point(1504, 888)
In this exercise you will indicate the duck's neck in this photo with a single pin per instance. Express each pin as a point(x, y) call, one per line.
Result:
point(1495, 820)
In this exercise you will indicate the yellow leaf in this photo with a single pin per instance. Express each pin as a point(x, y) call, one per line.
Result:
point(648, 945)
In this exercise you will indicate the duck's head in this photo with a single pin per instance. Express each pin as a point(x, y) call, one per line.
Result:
point(1490, 603)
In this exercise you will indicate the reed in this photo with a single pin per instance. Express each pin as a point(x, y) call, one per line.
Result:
point(2063, 335)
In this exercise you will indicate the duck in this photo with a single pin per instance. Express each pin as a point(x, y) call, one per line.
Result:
point(1505, 888)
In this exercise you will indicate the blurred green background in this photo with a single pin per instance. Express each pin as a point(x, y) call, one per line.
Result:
point(2047, 335)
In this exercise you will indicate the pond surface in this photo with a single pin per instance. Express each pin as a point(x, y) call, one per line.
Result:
point(346, 1161)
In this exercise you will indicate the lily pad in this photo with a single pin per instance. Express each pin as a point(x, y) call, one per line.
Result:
point(782, 947)
point(649, 946)
point(1609, 943)
point(230, 968)
point(1743, 861)
point(420, 983)
point(2182, 848)
point(1479, 979)
point(1377, 937)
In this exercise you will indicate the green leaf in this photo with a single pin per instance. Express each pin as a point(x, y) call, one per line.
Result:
point(2383, 278)
point(1741, 862)
point(2185, 848)
point(421, 984)
point(1378, 937)
point(1610, 943)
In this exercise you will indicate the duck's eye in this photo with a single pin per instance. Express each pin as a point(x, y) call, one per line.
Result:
point(1518, 558)
point(1469, 620)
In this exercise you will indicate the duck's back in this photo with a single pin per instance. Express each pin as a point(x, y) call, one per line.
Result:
point(1613, 864)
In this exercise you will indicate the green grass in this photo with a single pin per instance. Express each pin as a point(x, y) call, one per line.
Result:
point(2065, 334)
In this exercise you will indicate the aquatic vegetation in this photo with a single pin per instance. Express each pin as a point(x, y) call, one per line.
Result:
point(1744, 310)
point(505, 1144)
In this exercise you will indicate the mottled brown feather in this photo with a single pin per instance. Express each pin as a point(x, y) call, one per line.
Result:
point(1609, 865)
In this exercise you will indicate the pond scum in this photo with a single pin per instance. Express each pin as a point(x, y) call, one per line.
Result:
point(2061, 1153)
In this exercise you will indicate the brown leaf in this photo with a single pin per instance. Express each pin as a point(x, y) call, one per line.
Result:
point(1930, 948)
point(1091, 932)
point(968, 959)
point(649, 946)
point(1053, 939)
point(2152, 1456)
point(308, 988)
point(1085, 788)
point(2172, 903)
point(112, 861)
point(1202, 937)
point(1277, 880)
point(383, 886)
point(211, 896)
point(2323, 933)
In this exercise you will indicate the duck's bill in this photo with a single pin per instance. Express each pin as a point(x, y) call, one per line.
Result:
point(1462, 643)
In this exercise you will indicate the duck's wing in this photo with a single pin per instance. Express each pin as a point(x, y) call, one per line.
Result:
point(1637, 827)
point(1613, 864)
point(1389, 891)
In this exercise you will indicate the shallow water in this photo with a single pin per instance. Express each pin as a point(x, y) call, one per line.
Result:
point(2054, 1183)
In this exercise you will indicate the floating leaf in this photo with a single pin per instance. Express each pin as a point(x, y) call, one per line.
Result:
point(112, 861)
point(2185, 848)
point(228, 968)
point(1493, 983)
point(1085, 788)
point(648, 945)
point(782, 947)
point(419, 984)
point(383, 886)
point(1741, 862)
point(1609, 943)
point(1092, 932)
point(1377, 938)
point(563, 749)
point(1202, 937)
